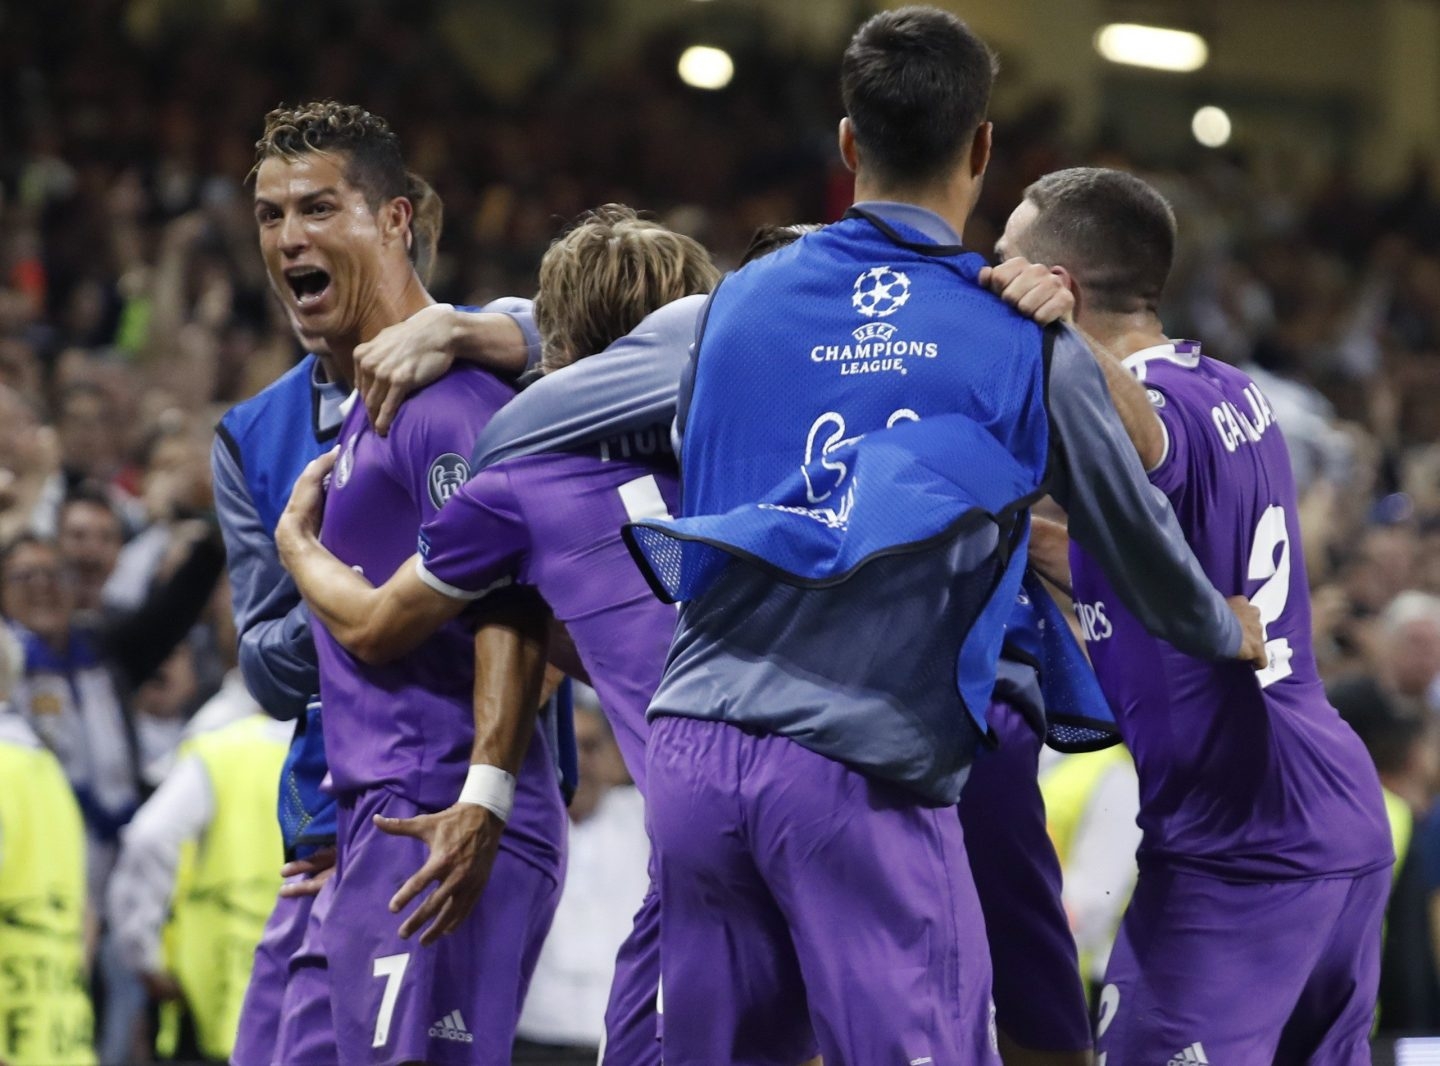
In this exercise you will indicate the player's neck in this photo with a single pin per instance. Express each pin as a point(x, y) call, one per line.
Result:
point(393, 303)
point(1124, 334)
point(952, 200)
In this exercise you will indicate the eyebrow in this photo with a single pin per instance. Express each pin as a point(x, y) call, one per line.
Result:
point(309, 197)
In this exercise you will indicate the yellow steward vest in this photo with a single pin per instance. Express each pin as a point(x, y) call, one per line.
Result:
point(227, 881)
point(45, 1017)
point(1067, 790)
point(1402, 825)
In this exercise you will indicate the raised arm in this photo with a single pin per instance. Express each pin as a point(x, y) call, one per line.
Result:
point(1127, 524)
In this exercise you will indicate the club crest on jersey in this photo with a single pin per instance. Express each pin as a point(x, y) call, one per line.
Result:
point(447, 474)
point(345, 464)
point(880, 292)
point(1157, 398)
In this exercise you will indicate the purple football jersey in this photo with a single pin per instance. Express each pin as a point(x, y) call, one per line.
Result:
point(1244, 776)
point(553, 521)
point(408, 725)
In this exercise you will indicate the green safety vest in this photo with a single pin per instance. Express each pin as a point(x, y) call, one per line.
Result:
point(226, 884)
point(1402, 825)
point(45, 1016)
point(1067, 789)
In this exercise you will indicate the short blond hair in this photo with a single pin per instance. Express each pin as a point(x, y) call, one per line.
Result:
point(606, 273)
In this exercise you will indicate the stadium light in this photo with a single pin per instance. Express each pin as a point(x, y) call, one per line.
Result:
point(1152, 46)
point(703, 67)
point(1211, 127)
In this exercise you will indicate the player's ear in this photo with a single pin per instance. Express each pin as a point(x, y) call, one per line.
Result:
point(395, 219)
point(980, 149)
point(849, 155)
point(1070, 282)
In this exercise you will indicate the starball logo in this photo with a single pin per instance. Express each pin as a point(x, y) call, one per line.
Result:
point(878, 293)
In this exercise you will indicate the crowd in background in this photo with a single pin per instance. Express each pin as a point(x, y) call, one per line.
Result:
point(133, 308)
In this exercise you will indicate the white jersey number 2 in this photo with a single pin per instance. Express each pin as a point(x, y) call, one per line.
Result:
point(1271, 534)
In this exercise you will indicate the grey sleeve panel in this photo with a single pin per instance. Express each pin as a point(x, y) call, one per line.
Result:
point(521, 312)
point(629, 386)
point(1120, 518)
point(687, 378)
point(277, 654)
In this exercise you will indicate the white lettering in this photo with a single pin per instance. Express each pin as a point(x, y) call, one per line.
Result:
point(1236, 427)
point(1094, 623)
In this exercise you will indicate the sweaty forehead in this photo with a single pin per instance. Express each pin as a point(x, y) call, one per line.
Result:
point(278, 178)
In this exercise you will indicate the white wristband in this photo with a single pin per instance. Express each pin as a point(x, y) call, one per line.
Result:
point(489, 787)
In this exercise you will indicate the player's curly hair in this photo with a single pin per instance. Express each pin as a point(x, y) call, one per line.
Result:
point(374, 162)
point(606, 273)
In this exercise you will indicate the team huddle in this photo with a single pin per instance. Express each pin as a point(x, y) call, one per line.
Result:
point(828, 461)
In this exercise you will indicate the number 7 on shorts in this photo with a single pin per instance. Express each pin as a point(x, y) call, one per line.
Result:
point(392, 968)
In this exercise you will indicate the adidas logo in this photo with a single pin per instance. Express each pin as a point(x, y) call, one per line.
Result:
point(1194, 1055)
point(452, 1027)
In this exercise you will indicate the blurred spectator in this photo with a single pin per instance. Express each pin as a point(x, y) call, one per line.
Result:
point(69, 696)
point(48, 1020)
point(197, 876)
point(1410, 646)
point(161, 707)
point(1406, 750)
point(30, 484)
point(90, 539)
point(605, 880)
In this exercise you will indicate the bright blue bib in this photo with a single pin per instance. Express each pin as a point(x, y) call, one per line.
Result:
point(891, 405)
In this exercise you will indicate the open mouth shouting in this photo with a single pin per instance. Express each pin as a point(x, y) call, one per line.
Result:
point(309, 285)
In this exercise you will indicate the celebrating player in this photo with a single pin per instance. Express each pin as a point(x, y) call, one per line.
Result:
point(863, 432)
point(261, 446)
point(552, 521)
point(1254, 931)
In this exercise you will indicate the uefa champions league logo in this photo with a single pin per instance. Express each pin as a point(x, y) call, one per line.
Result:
point(880, 291)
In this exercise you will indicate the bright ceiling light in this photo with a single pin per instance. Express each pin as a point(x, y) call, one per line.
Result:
point(1211, 126)
point(1152, 46)
point(703, 67)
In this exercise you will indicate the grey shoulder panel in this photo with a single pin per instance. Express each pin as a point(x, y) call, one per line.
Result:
point(631, 385)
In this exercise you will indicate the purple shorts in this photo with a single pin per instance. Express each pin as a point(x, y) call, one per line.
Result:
point(632, 1034)
point(261, 1013)
point(306, 1034)
point(456, 1001)
point(808, 907)
point(1216, 971)
point(1039, 996)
